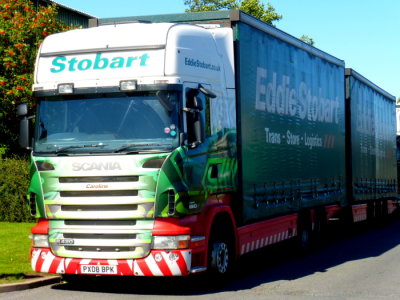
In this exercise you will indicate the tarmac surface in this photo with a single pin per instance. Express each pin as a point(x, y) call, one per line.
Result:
point(29, 283)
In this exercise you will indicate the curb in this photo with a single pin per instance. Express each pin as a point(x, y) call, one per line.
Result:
point(29, 284)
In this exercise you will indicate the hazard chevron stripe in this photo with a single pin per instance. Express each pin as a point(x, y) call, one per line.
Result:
point(158, 263)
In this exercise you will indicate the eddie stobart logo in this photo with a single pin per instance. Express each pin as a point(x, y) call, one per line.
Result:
point(201, 64)
point(98, 62)
point(275, 94)
point(96, 166)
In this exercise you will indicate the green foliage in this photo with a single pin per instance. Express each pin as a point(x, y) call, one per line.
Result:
point(14, 251)
point(14, 182)
point(256, 8)
point(22, 29)
point(307, 39)
point(210, 5)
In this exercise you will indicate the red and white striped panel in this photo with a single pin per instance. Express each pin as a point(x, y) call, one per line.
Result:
point(158, 263)
point(359, 212)
point(392, 206)
point(163, 263)
point(43, 261)
point(266, 241)
point(262, 234)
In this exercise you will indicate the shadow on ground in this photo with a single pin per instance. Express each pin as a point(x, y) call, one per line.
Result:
point(280, 262)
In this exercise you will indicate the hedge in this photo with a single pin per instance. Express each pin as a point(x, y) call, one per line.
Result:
point(14, 182)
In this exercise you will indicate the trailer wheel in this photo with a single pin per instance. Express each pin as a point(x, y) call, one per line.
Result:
point(320, 226)
point(384, 207)
point(304, 239)
point(371, 215)
point(304, 233)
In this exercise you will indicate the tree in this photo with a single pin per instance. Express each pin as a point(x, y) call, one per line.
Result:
point(306, 39)
point(258, 10)
point(253, 7)
point(210, 5)
point(22, 29)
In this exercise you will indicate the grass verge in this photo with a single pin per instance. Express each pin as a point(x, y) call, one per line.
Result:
point(14, 251)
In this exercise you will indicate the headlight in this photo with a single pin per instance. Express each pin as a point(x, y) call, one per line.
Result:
point(169, 242)
point(40, 240)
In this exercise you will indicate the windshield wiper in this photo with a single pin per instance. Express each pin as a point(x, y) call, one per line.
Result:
point(62, 149)
point(126, 147)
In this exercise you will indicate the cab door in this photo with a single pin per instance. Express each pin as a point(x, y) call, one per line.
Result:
point(196, 119)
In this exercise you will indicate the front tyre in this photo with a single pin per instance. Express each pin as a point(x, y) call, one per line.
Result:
point(220, 260)
point(221, 251)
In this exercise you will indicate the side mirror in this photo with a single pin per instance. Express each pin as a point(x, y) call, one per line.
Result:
point(207, 92)
point(24, 140)
point(197, 103)
point(197, 128)
point(24, 133)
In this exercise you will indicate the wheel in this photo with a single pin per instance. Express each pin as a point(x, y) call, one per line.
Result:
point(320, 225)
point(378, 210)
point(371, 212)
point(384, 210)
point(304, 240)
point(221, 255)
point(346, 223)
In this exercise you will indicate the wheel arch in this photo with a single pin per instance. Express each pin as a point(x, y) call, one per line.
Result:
point(221, 215)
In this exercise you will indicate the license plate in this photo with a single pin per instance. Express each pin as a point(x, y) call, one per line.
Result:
point(98, 269)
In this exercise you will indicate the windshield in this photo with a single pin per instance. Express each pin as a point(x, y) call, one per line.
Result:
point(123, 123)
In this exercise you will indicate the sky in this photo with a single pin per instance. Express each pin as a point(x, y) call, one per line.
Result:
point(363, 33)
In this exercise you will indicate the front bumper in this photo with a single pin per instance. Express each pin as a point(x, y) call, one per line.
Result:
point(157, 263)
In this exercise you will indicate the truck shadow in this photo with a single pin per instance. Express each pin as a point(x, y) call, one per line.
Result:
point(280, 262)
point(284, 263)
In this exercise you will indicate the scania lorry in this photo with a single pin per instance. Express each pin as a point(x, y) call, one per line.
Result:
point(175, 144)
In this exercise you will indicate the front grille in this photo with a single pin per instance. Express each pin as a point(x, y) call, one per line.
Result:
point(101, 217)
point(98, 193)
point(100, 249)
point(118, 240)
point(93, 179)
point(100, 222)
point(102, 236)
point(99, 207)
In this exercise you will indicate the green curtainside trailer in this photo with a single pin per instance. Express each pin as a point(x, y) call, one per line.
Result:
point(371, 144)
point(290, 124)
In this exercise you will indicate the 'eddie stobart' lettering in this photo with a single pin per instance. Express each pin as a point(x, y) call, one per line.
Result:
point(61, 63)
point(280, 98)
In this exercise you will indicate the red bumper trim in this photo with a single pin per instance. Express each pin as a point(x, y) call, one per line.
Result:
point(157, 263)
point(169, 226)
point(41, 227)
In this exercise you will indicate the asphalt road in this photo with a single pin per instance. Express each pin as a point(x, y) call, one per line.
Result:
point(363, 264)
